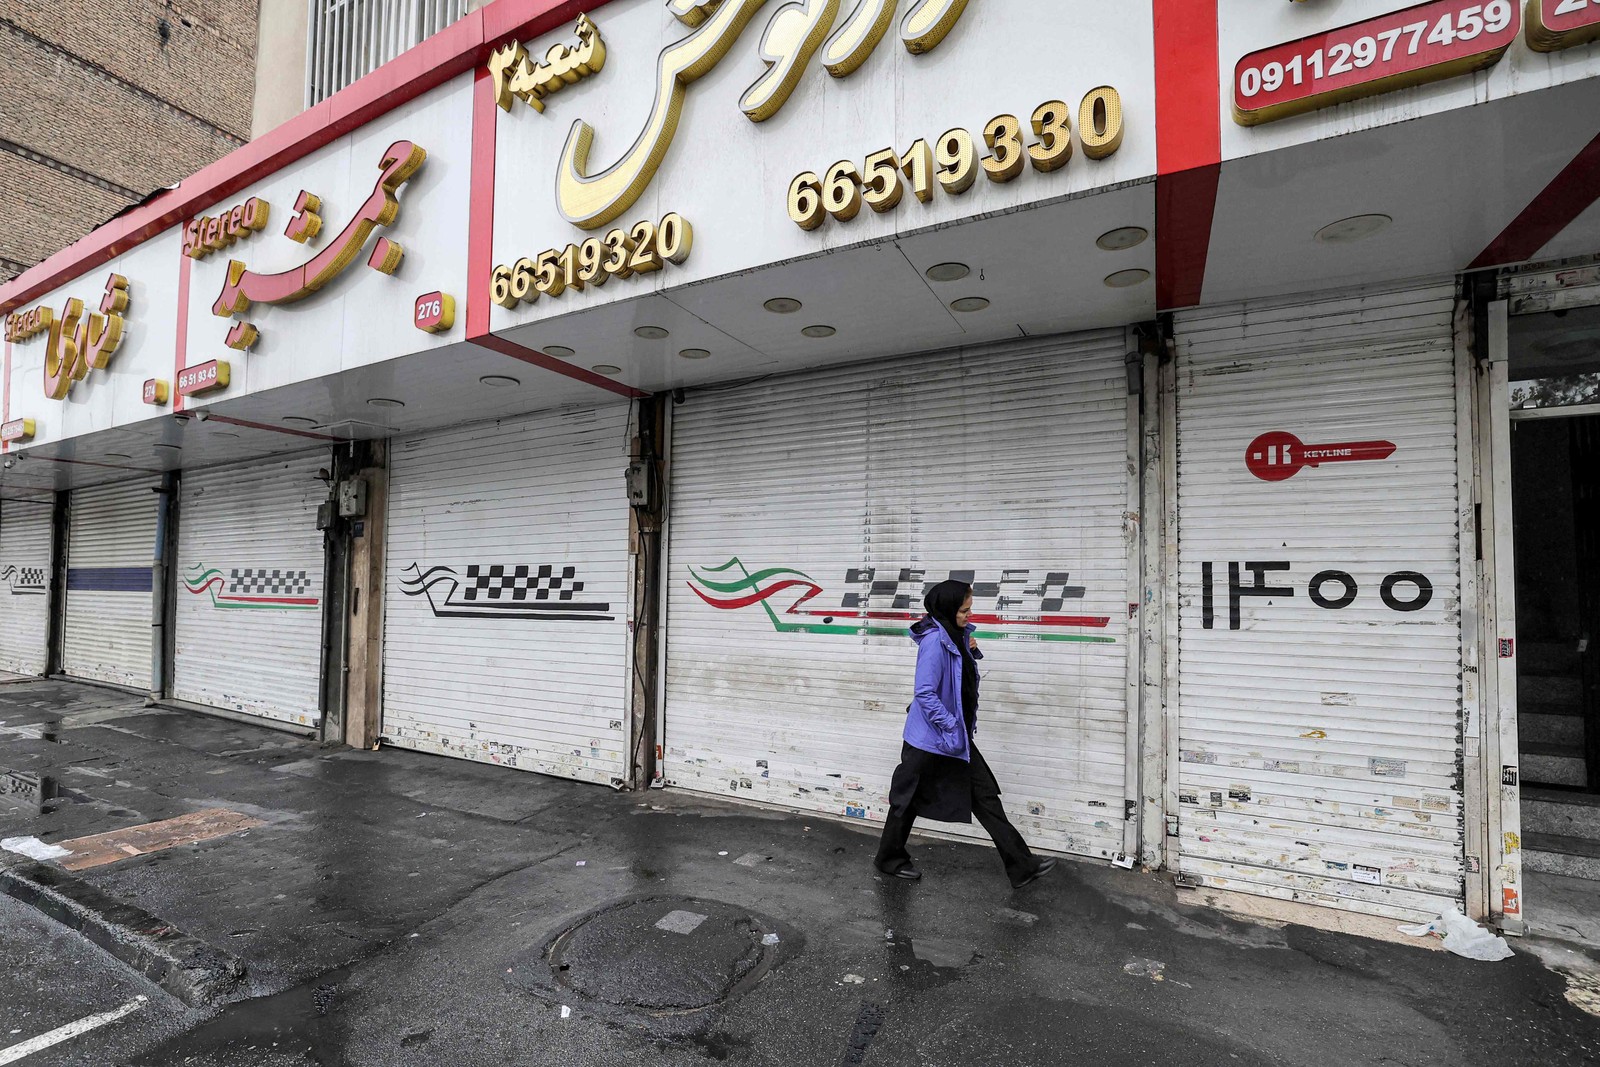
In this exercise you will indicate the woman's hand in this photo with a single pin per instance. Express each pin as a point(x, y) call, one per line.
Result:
point(972, 643)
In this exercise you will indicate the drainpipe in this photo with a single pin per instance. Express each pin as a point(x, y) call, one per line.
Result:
point(160, 583)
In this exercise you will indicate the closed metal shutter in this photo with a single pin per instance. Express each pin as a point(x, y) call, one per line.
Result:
point(1319, 620)
point(25, 571)
point(505, 629)
point(248, 619)
point(111, 540)
point(810, 512)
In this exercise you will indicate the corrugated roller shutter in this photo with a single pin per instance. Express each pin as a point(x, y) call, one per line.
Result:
point(809, 514)
point(25, 571)
point(111, 540)
point(505, 627)
point(1319, 627)
point(250, 588)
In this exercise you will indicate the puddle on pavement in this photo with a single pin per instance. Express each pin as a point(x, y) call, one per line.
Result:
point(40, 793)
point(928, 963)
point(297, 1021)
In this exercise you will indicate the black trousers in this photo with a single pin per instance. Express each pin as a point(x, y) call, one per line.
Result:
point(1019, 860)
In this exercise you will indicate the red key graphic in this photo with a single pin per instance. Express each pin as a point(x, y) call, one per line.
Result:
point(1278, 455)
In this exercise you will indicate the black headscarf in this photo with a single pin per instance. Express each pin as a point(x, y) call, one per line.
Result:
point(942, 602)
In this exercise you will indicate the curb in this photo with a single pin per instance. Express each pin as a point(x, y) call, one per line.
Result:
point(184, 966)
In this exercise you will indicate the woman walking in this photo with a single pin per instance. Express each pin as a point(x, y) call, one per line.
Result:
point(942, 776)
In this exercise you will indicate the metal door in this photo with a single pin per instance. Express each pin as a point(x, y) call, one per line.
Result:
point(25, 570)
point(505, 629)
point(1319, 644)
point(810, 512)
point(250, 586)
point(111, 537)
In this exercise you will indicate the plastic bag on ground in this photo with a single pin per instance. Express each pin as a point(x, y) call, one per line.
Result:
point(1463, 937)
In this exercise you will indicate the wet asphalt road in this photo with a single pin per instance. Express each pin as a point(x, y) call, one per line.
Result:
point(395, 909)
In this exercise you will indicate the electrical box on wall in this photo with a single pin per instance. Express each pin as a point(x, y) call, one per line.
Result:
point(352, 498)
point(640, 485)
point(325, 515)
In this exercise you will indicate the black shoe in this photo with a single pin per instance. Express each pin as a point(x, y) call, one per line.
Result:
point(1045, 866)
point(908, 872)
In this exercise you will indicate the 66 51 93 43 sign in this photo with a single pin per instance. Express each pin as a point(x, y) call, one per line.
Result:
point(1416, 45)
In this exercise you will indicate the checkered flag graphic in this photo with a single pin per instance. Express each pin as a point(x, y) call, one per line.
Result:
point(259, 581)
point(520, 583)
point(30, 576)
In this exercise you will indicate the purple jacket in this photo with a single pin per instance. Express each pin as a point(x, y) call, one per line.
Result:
point(934, 722)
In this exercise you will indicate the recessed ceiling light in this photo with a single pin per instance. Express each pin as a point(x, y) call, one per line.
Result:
point(223, 433)
point(559, 351)
point(299, 420)
point(1353, 228)
point(783, 305)
point(948, 272)
point(605, 368)
point(695, 353)
point(969, 303)
point(651, 333)
point(163, 444)
point(819, 331)
point(1122, 279)
point(499, 381)
point(1122, 237)
point(386, 402)
point(116, 455)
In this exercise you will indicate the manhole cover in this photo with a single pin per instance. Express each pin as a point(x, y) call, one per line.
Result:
point(662, 958)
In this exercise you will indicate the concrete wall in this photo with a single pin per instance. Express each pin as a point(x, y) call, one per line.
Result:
point(108, 102)
point(280, 87)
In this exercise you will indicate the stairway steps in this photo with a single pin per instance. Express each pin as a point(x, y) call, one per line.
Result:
point(1547, 657)
point(1538, 728)
point(1560, 813)
point(1554, 764)
point(1575, 857)
point(1564, 731)
point(1549, 689)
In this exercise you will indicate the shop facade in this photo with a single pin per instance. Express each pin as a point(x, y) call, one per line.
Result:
point(443, 419)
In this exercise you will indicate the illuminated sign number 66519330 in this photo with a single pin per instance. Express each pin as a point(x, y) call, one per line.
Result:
point(953, 161)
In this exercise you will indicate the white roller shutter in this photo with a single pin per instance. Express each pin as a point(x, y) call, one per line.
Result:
point(810, 512)
point(249, 589)
point(25, 571)
point(1320, 723)
point(505, 626)
point(111, 539)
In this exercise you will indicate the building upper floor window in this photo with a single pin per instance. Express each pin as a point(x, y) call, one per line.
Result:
point(348, 39)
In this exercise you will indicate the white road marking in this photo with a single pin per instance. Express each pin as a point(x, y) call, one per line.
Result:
point(68, 1032)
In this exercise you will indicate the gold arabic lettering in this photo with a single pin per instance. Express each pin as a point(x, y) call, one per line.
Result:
point(591, 201)
point(793, 36)
point(858, 38)
point(515, 75)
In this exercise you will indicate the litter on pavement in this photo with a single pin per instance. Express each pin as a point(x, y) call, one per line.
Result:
point(1462, 936)
point(33, 848)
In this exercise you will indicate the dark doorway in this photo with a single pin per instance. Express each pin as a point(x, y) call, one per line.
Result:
point(1556, 506)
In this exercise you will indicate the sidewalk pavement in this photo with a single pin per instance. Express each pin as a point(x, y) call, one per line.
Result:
point(396, 909)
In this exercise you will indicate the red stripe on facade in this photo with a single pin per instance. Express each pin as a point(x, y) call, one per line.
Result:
point(480, 211)
point(231, 421)
point(1568, 195)
point(5, 401)
point(1188, 146)
point(551, 363)
point(453, 51)
point(1186, 204)
point(180, 346)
